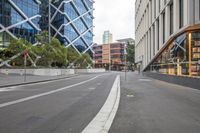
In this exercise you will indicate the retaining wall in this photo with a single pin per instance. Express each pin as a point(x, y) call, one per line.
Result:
point(50, 72)
point(184, 81)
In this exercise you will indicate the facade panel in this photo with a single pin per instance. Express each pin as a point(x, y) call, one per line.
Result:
point(72, 23)
point(19, 19)
point(172, 44)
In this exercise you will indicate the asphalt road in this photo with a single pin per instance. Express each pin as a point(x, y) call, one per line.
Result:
point(64, 106)
point(153, 106)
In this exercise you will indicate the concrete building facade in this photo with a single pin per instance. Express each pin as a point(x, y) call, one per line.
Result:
point(168, 36)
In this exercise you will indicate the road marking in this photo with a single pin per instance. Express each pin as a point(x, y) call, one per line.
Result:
point(45, 82)
point(7, 89)
point(45, 94)
point(145, 80)
point(102, 122)
point(130, 96)
point(92, 88)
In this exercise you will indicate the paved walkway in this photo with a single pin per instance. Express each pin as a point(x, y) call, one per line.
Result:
point(18, 79)
point(153, 106)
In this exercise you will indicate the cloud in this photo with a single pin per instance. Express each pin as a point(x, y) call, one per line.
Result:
point(116, 16)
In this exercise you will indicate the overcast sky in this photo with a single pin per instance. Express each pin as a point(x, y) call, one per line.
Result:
point(116, 16)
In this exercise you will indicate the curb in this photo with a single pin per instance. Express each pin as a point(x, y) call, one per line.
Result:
point(102, 122)
point(34, 82)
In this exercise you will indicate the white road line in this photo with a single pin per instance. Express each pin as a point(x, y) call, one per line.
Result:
point(45, 82)
point(92, 88)
point(45, 94)
point(102, 122)
point(7, 89)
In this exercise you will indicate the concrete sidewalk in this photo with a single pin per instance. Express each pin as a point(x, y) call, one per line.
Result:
point(15, 79)
point(152, 106)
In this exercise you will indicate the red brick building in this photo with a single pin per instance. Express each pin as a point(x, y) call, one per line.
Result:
point(109, 55)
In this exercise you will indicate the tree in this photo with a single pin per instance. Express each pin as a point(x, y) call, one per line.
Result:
point(72, 55)
point(16, 47)
point(83, 61)
point(130, 54)
point(42, 38)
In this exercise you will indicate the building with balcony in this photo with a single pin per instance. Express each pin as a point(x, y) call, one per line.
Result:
point(19, 19)
point(110, 55)
point(168, 37)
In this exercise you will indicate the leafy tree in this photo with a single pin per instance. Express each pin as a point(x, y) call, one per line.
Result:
point(42, 38)
point(130, 55)
point(60, 52)
point(72, 55)
point(16, 47)
point(83, 61)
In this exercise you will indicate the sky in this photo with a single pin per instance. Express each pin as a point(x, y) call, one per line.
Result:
point(117, 16)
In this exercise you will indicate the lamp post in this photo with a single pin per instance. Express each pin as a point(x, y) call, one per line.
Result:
point(125, 54)
point(109, 58)
point(49, 16)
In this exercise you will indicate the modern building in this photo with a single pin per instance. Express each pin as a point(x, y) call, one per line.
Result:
point(168, 36)
point(19, 19)
point(127, 41)
point(110, 55)
point(107, 37)
point(72, 23)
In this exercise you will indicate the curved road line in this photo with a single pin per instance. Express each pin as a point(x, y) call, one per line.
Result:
point(45, 94)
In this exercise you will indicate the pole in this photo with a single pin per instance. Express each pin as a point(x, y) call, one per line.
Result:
point(49, 28)
point(25, 61)
point(109, 58)
point(125, 52)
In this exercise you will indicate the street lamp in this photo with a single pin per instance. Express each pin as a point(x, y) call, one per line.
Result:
point(125, 53)
point(49, 16)
point(109, 57)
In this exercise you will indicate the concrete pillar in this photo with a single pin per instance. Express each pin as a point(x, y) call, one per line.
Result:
point(160, 31)
point(197, 12)
point(188, 11)
point(176, 15)
point(167, 22)
point(152, 42)
point(149, 46)
point(156, 37)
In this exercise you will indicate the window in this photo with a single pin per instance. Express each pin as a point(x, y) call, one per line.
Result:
point(158, 35)
point(171, 19)
point(150, 48)
point(155, 8)
point(199, 10)
point(164, 27)
point(181, 14)
point(153, 39)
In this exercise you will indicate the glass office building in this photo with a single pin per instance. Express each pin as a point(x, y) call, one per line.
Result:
point(72, 23)
point(19, 19)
